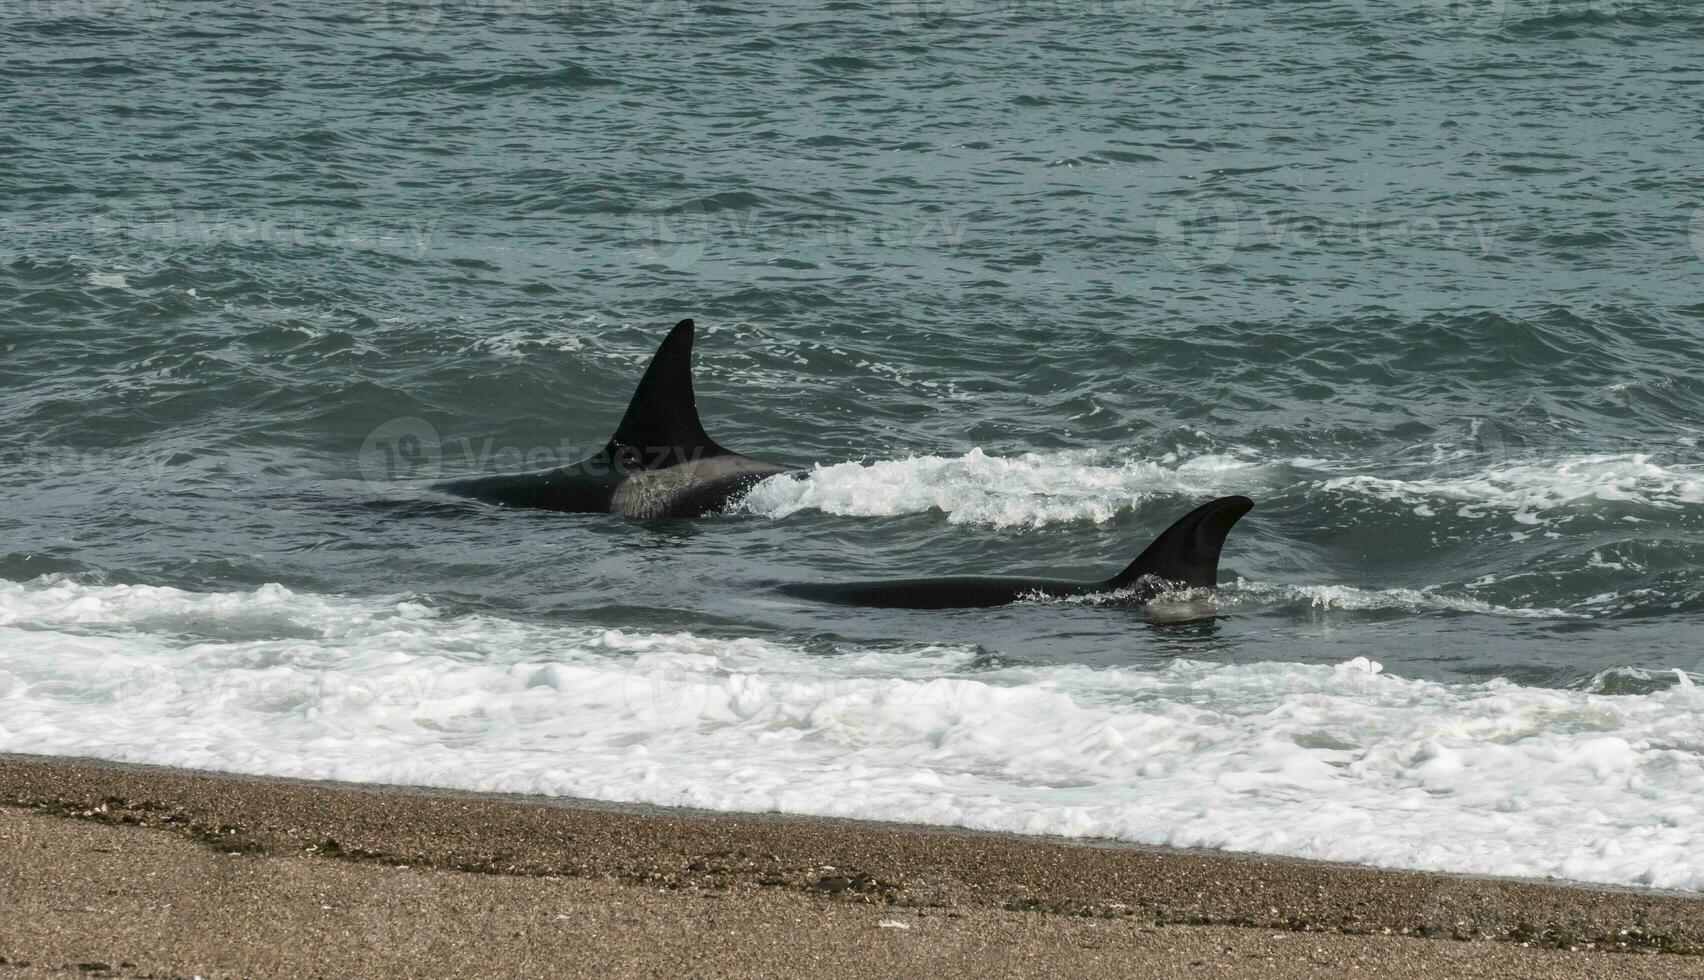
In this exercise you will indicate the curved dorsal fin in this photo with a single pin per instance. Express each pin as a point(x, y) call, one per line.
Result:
point(662, 419)
point(1188, 551)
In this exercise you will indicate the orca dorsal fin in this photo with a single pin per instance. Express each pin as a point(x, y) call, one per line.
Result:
point(1188, 551)
point(662, 419)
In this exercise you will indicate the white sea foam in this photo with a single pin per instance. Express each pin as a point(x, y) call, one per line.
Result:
point(1045, 488)
point(1196, 603)
point(520, 341)
point(1345, 763)
point(1350, 599)
point(1534, 487)
point(1032, 489)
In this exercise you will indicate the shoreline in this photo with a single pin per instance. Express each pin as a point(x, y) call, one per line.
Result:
point(402, 791)
point(829, 867)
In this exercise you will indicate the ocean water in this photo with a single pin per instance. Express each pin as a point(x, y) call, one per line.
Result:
point(1017, 283)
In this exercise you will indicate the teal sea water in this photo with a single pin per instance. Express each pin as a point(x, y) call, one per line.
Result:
point(1025, 280)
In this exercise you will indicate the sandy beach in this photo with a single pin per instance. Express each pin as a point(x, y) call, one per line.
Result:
point(126, 871)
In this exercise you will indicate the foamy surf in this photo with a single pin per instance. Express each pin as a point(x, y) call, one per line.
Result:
point(1347, 598)
point(1531, 489)
point(1035, 489)
point(975, 488)
point(1185, 604)
point(1338, 762)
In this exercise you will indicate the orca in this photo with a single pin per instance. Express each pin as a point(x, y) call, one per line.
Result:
point(1186, 555)
point(659, 463)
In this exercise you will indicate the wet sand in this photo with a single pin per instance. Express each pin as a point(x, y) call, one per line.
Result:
point(113, 870)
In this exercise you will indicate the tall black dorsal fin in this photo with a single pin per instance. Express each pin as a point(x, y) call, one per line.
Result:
point(662, 419)
point(1188, 551)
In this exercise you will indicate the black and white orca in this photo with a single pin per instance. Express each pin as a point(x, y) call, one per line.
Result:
point(659, 463)
point(1186, 555)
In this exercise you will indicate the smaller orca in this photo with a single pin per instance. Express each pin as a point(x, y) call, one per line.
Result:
point(1186, 554)
point(659, 463)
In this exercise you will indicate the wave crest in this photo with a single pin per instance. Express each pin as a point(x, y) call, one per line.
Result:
point(975, 488)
